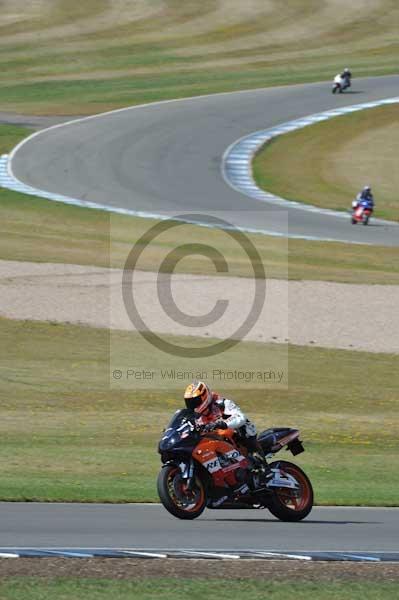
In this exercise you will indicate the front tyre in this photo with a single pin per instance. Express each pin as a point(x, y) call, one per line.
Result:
point(176, 497)
point(291, 504)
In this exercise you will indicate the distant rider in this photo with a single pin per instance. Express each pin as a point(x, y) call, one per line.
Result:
point(346, 75)
point(364, 198)
point(212, 411)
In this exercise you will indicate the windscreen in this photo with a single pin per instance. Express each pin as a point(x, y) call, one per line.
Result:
point(179, 416)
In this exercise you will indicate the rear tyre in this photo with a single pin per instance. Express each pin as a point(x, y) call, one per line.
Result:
point(366, 220)
point(289, 504)
point(176, 498)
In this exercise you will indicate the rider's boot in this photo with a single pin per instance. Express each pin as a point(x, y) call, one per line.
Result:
point(261, 467)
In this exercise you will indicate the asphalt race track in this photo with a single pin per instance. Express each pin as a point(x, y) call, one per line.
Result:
point(150, 527)
point(167, 156)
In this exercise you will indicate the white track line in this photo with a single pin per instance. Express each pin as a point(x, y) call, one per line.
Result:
point(283, 555)
point(143, 554)
point(361, 557)
point(67, 553)
point(7, 180)
point(211, 554)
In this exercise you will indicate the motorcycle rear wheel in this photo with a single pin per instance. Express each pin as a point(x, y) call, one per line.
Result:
point(176, 498)
point(292, 505)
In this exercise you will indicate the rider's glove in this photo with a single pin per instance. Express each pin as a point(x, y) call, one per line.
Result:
point(212, 426)
point(208, 427)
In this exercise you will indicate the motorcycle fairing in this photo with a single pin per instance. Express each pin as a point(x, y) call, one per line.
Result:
point(221, 459)
point(179, 434)
point(359, 211)
point(272, 440)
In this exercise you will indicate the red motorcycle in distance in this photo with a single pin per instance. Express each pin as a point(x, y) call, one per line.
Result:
point(361, 214)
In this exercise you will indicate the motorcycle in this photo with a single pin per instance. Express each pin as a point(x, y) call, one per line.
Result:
point(203, 469)
point(361, 214)
point(340, 84)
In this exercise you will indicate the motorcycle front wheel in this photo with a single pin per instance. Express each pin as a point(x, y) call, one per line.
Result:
point(291, 504)
point(174, 494)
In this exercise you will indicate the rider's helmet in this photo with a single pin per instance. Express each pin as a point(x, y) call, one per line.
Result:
point(367, 188)
point(198, 397)
point(346, 70)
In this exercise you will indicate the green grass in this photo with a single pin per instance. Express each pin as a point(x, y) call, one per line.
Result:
point(38, 230)
point(10, 135)
point(73, 58)
point(66, 435)
point(346, 152)
point(35, 588)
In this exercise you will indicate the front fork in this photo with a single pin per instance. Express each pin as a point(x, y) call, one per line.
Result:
point(187, 473)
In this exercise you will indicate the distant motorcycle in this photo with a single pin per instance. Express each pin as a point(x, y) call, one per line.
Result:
point(213, 470)
point(340, 84)
point(361, 214)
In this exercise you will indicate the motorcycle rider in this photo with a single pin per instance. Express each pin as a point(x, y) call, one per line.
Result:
point(346, 75)
point(212, 411)
point(364, 198)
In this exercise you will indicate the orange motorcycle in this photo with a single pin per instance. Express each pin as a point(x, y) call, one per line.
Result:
point(211, 469)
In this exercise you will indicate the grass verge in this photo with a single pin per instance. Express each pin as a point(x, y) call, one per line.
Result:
point(346, 152)
point(38, 230)
point(10, 135)
point(172, 589)
point(62, 57)
point(67, 436)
